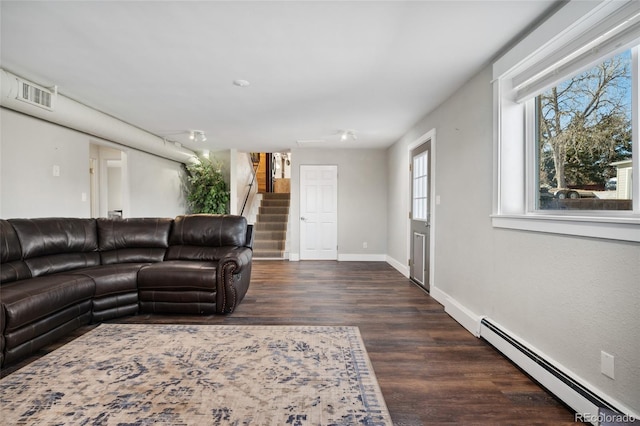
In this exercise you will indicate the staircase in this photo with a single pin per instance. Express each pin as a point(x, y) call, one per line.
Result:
point(271, 226)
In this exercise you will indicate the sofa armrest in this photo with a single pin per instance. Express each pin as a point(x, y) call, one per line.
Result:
point(234, 274)
point(249, 242)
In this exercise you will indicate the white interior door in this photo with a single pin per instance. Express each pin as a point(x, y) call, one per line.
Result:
point(319, 212)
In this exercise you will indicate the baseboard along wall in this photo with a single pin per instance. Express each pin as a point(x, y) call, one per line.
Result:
point(589, 404)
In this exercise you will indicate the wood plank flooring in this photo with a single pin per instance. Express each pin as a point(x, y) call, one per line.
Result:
point(430, 369)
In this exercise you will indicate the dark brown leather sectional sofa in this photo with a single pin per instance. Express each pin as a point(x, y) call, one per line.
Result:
point(58, 274)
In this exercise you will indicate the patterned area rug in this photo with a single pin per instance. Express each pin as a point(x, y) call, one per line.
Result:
point(137, 374)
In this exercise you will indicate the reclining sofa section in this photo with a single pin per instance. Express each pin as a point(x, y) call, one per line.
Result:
point(57, 274)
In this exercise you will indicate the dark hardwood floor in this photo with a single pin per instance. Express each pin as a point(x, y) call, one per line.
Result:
point(430, 369)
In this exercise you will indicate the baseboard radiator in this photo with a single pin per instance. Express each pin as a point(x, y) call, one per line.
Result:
point(588, 406)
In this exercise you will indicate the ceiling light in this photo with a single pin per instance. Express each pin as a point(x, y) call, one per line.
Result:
point(346, 134)
point(241, 83)
point(197, 136)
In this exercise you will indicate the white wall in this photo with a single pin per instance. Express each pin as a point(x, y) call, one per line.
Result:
point(114, 178)
point(29, 148)
point(362, 200)
point(242, 177)
point(155, 186)
point(569, 297)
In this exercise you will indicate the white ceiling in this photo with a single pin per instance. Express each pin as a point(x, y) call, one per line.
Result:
point(315, 67)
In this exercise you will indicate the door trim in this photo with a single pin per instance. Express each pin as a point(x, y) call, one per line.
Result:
point(429, 136)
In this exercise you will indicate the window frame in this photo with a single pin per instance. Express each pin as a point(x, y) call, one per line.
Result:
point(515, 157)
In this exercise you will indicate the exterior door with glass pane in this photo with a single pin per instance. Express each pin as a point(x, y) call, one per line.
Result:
point(420, 214)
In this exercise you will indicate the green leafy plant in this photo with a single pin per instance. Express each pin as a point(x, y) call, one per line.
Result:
point(207, 191)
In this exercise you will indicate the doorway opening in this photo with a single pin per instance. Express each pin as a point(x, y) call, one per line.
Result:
point(273, 177)
point(109, 184)
point(273, 172)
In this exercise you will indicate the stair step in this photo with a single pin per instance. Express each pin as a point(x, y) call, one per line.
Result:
point(270, 229)
point(284, 218)
point(270, 226)
point(275, 203)
point(274, 210)
point(273, 195)
point(270, 235)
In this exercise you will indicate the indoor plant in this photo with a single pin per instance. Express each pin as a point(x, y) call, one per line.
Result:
point(207, 192)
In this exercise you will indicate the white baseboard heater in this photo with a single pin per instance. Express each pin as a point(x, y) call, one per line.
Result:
point(589, 407)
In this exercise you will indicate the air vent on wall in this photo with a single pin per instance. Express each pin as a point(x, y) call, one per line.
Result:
point(35, 95)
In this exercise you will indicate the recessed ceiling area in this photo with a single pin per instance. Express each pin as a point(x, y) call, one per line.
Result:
point(315, 68)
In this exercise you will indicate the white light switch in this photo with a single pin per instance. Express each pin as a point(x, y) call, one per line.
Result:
point(84, 196)
point(56, 170)
point(607, 364)
point(437, 200)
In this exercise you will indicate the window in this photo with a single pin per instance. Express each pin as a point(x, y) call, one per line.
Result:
point(566, 124)
point(420, 186)
point(583, 139)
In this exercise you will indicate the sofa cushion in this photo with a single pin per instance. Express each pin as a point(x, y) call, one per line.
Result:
point(52, 264)
point(116, 291)
point(33, 299)
point(197, 253)
point(186, 287)
point(178, 276)
point(12, 267)
point(51, 245)
point(189, 303)
point(10, 244)
point(81, 314)
point(43, 326)
point(1, 334)
point(45, 236)
point(116, 305)
point(209, 231)
point(133, 240)
point(112, 279)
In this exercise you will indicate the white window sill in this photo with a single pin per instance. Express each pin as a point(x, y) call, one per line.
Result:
point(612, 228)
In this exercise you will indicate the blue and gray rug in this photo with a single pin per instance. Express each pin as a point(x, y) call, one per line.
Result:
point(138, 374)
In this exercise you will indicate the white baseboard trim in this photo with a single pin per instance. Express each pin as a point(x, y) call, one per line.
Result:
point(526, 359)
point(361, 257)
point(295, 257)
point(579, 395)
point(439, 295)
point(460, 313)
point(403, 269)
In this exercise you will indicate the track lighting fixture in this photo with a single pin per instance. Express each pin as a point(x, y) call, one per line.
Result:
point(197, 136)
point(346, 134)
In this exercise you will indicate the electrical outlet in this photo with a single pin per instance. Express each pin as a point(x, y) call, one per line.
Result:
point(365, 245)
point(56, 170)
point(607, 364)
